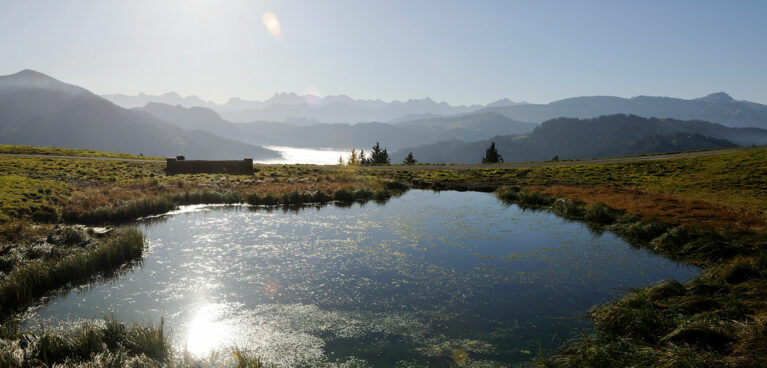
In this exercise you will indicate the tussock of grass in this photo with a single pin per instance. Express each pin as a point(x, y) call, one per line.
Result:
point(32, 279)
point(704, 322)
point(599, 213)
point(343, 195)
point(108, 344)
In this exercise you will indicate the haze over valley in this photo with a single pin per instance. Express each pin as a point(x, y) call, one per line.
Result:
point(36, 109)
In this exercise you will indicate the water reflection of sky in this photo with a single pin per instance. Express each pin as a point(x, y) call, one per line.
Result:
point(425, 279)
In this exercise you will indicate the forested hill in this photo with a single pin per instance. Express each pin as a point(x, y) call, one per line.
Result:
point(605, 136)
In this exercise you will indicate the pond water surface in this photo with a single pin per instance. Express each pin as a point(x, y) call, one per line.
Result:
point(426, 279)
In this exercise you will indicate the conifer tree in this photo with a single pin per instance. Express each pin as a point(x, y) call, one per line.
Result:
point(379, 156)
point(409, 160)
point(491, 155)
point(353, 159)
point(363, 160)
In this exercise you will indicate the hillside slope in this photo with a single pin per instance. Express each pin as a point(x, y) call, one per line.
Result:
point(717, 107)
point(606, 136)
point(38, 110)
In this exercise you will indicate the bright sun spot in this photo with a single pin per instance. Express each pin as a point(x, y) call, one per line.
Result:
point(271, 23)
point(205, 333)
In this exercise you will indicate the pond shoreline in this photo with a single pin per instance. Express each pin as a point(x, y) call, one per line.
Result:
point(561, 207)
point(715, 320)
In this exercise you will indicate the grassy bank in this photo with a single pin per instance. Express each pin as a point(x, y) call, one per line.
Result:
point(46, 266)
point(724, 191)
point(717, 319)
point(107, 344)
point(710, 211)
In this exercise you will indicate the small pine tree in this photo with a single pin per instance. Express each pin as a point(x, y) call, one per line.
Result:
point(409, 160)
point(379, 156)
point(491, 155)
point(363, 160)
point(353, 158)
point(340, 160)
point(555, 158)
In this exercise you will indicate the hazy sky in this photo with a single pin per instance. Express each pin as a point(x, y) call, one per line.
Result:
point(462, 52)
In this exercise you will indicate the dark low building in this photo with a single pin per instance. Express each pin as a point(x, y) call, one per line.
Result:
point(179, 165)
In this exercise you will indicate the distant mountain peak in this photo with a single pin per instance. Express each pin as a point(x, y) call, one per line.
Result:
point(29, 78)
point(503, 102)
point(30, 75)
point(718, 96)
point(173, 94)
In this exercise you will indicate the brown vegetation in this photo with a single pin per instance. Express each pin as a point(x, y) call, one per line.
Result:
point(666, 207)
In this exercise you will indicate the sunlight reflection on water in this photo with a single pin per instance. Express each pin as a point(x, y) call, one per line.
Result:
point(426, 279)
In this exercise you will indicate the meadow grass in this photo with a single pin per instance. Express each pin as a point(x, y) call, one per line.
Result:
point(728, 190)
point(108, 343)
point(709, 211)
point(707, 321)
point(63, 151)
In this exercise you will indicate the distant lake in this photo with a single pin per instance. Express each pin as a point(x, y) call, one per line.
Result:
point(294, 155)
point(426, 279)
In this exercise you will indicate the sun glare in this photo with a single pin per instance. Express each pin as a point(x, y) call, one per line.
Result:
point(205, 332)
point(272, 24)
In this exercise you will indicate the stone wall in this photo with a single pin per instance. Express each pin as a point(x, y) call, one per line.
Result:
point(233, 167)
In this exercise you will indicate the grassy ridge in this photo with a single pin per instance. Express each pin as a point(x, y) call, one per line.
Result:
point(61, 151)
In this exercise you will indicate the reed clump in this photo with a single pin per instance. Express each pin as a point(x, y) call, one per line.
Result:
point(109, 343)
point(30, 280)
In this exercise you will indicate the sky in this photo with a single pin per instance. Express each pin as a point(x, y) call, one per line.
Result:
point(462, 52)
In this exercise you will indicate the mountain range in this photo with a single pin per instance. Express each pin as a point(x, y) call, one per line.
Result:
point(718, 107)
point(38, 110)
point(468, 127)
point(309, 110)
point(604, 136)
point(284, 107)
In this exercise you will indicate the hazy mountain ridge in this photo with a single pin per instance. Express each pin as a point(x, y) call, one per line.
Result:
point(717, 107)
point(36, 109)
point(605, 136)
point(287, 106)
point(415, 132)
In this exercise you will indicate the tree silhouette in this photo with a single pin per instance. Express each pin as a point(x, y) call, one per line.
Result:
point(492, 156)
point(409, 160)
point(353, 159)
point(379, 156)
